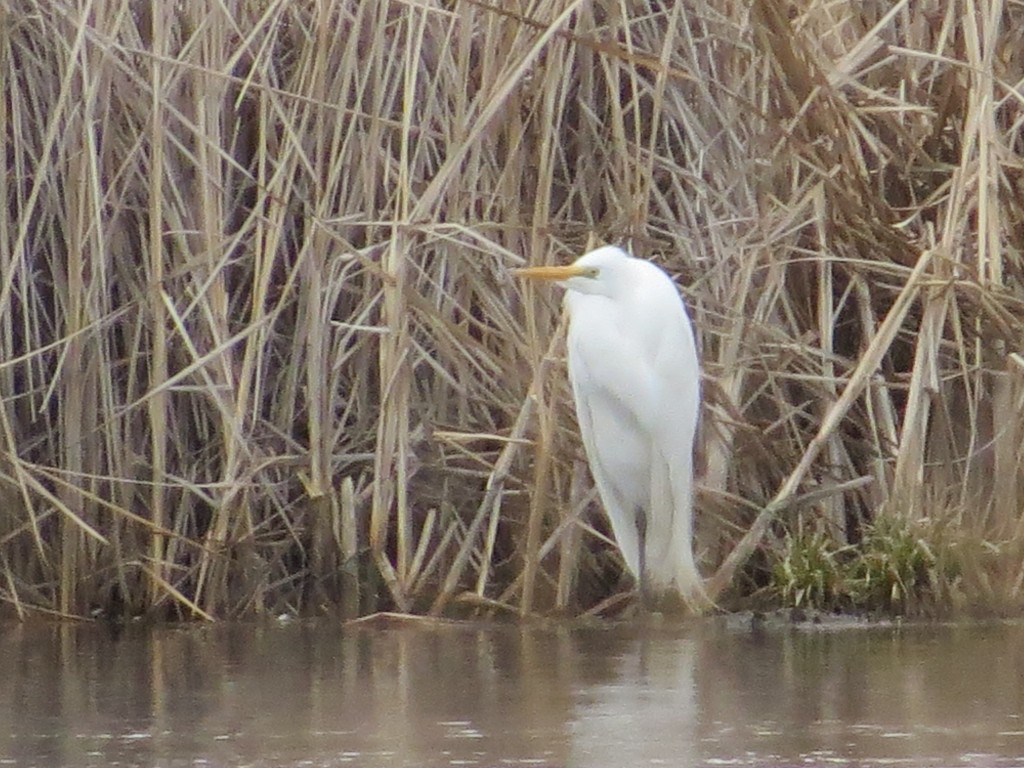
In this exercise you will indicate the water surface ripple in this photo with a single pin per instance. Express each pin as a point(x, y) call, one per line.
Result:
point(423, 694)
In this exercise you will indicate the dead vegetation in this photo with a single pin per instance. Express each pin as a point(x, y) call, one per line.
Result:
point(259, 351)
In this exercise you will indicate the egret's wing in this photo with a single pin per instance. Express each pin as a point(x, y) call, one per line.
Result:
point(615, 455)
point(609, 381)
point(670, 563)
point(677, 373)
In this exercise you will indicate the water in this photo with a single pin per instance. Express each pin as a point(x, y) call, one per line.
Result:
point(425, 694)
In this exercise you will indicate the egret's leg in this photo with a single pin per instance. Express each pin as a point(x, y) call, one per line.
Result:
point(641, 530)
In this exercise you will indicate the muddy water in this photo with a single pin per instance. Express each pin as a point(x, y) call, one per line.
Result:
point(417, 694)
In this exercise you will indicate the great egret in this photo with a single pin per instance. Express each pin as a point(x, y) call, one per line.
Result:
point(636, 382)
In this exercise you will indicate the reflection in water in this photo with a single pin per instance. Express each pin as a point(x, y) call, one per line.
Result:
point(637, 706)
point(920, 696)
point(423, 694)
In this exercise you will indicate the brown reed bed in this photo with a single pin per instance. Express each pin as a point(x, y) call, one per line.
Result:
point(259, 351)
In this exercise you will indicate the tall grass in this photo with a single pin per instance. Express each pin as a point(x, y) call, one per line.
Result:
point(259, 351)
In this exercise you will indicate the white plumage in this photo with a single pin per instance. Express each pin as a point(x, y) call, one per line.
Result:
point(636, 382)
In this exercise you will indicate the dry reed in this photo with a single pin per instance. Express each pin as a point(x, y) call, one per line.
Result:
point(258, 347)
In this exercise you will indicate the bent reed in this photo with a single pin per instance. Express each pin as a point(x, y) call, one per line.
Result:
point(259, 351)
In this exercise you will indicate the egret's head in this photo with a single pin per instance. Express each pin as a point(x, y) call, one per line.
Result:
point(594, 272)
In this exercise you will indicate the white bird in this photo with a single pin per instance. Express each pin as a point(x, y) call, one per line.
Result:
point(636, 382)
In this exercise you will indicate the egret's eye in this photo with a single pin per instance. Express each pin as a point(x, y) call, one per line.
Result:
point(591, 272)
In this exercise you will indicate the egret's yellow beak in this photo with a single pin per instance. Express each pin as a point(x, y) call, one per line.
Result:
point(551, 273)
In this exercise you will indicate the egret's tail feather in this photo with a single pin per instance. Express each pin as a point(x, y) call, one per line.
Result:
point(672, 566)
point(690, 585)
